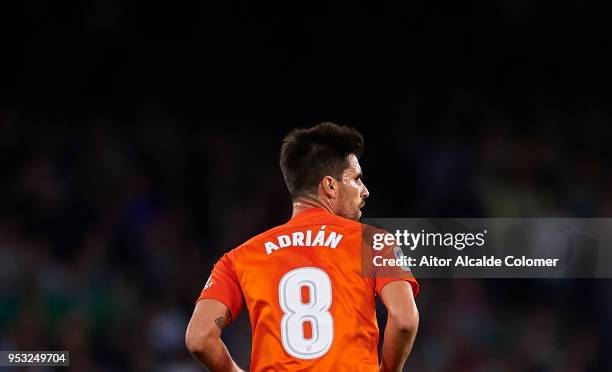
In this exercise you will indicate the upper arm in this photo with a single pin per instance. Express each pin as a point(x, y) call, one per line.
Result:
point(219, 303)
point(208, 319)
point(223, 285)
point(399, 301)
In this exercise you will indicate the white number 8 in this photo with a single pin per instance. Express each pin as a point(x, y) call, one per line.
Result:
point(316, 311)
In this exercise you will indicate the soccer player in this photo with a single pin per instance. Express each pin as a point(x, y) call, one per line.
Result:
point(310, 304)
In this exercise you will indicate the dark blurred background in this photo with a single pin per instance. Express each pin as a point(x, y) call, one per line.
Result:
point(139, 141)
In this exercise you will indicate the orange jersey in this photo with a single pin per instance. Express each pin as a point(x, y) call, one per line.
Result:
point(311, 306)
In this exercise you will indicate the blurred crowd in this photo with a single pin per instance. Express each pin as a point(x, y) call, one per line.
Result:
point(109, 228)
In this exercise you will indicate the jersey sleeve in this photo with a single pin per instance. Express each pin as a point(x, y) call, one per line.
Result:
point(223, 285)
point(384, 274)
point(381, 282)
point(388, 274)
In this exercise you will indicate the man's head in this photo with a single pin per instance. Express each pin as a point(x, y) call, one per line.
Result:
point(322, 162)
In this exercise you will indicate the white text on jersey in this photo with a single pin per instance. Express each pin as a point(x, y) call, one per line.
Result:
point(321, 238)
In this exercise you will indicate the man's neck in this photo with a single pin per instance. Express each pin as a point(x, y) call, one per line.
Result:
point(307, 202)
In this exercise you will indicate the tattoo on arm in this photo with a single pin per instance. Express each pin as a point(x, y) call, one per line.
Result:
point(224, 320)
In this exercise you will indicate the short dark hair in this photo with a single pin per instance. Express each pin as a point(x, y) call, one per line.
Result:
point(308, 155)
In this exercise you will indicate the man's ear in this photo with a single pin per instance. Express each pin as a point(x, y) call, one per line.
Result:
point(329, 185)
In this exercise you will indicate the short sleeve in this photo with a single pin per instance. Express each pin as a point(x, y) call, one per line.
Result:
point(223, 285)
point(381, 282)
point(384, 275)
